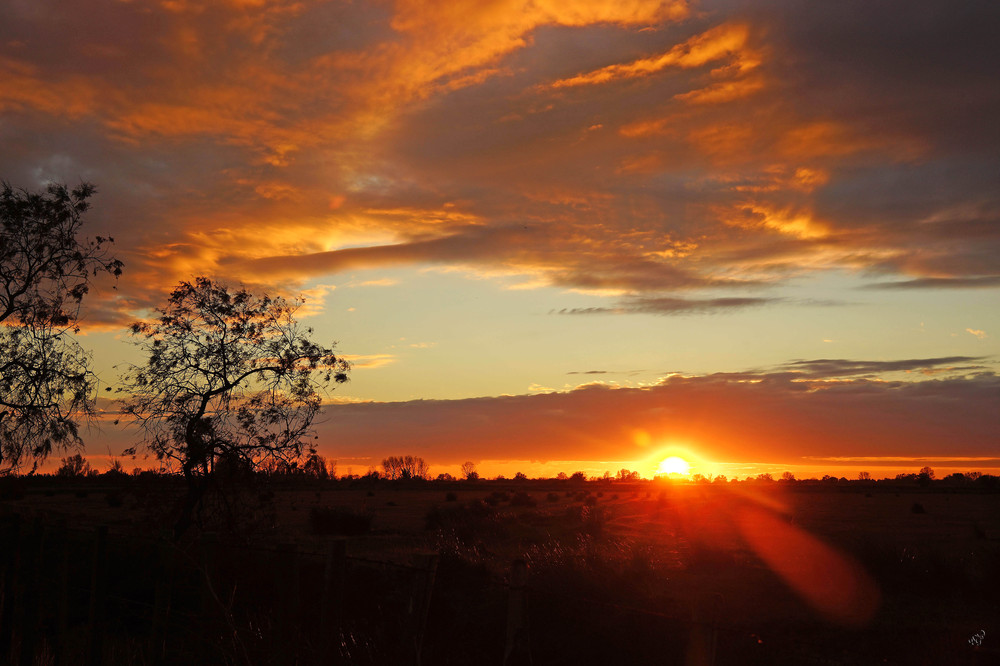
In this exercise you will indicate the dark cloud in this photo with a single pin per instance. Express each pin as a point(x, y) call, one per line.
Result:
point(832, 368)
point(671, 306)
point(750, 417)
point(979, 282)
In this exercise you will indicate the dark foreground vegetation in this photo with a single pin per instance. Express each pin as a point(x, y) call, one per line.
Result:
point(300, 570)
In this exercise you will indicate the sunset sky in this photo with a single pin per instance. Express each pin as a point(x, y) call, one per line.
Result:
point(763, 235)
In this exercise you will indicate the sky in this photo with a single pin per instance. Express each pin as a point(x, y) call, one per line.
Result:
point(556, 236)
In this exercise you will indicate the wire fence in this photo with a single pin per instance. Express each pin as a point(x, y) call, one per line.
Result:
point(71, 595)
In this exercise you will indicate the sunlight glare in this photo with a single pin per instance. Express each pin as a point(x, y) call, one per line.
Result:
point(674, 466)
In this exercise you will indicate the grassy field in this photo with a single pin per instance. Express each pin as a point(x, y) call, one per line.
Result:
point(647, 572)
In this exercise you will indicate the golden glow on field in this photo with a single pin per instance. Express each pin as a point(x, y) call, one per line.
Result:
point(674, 466)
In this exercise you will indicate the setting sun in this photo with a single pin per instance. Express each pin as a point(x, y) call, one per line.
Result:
point(674, 466)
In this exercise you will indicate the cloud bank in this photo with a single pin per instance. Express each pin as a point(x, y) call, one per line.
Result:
point(823, 409)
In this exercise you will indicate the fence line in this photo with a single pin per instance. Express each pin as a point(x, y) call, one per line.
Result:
point(193, 584)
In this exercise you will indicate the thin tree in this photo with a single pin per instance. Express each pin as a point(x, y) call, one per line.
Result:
point(230, 375)
point(469, 472)
point(46, 269)
point(405, 467)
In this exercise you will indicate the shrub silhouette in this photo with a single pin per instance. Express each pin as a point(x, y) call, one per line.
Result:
point(521, 498)
point(497, 496)
point(467, 522)
point(74, 466)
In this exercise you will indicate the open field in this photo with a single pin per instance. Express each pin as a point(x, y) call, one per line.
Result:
point(647, 572)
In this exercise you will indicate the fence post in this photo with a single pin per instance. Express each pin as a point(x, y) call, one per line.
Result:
point(703, 637)
point(209, 594)
point(161, 598)
point(9, 603)
point(33, 587)
point(420, 602)
point(331, 612)
point(62, 589)
point(286, 602)
point(517, 650)
point(98, 596)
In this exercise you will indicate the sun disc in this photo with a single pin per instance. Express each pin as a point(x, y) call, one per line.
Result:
point(674, 465)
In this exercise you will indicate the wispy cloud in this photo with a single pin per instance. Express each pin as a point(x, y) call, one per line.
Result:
point(670, 306)
point(976, 282)
point(848, 368)
point(725, 41)
point(369, 361)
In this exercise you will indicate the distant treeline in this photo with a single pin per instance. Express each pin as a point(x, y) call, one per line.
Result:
point(411, 469)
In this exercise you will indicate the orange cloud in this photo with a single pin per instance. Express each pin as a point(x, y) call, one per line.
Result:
point(27, 87)
point(723, 91)
point(720, 42)
point(283, 140)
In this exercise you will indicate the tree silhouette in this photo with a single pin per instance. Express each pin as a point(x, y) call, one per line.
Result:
point(925, 476)
point(405, 467)
point(74, 466)
point(469, 472)
point(46, 385)
point(230, 375)
point(625, 474)
point(315, 466)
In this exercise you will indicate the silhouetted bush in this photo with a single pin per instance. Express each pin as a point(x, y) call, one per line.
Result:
point(496, 497)
point(989, 481)
point(115, 499)
point(918, 508)
point(522, 499)
point(552, 497)
point(339, 521)
point(468, 522)
point(74, 467)
point(586, 519)
point(450, 497)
